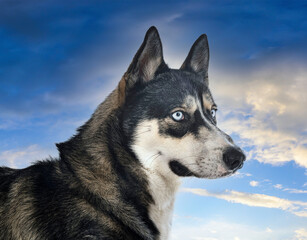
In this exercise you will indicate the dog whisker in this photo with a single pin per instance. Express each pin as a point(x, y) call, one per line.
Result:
point(136, 135)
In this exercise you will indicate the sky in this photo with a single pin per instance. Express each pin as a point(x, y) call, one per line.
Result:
point(60, 59)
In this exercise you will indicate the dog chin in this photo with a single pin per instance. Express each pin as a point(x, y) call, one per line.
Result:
point(226, 172)
point(180, 170)
point(221, 172)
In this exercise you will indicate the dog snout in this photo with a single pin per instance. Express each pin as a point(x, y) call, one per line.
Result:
point(233, 158)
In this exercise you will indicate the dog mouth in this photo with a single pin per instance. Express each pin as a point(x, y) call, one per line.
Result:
point(181, 170)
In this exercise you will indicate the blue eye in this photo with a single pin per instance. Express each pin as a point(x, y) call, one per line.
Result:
point(213, 113)
point(178, 116)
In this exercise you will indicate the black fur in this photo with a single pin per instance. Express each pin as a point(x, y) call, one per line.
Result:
point(156, 99)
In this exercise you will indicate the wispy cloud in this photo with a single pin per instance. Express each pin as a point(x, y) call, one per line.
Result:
point(220, 229)
point(278, 186)
point(290, 190)
point(298, 208)
point(269, 230)
point(254, 183)
point(294, 190)
point(19, 158)
point(241, 175)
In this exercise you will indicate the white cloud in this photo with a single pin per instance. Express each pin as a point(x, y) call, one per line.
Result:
point(204, 238)
point(278, 186)
point(268, 230)
point(301, 234)
point(301, 213)
point(266, 110)
point(19, 158)
point(254, 183)
point(219, 229)
point(255, 200)
point(241, 175)
point(290, 190)
point(294, 190)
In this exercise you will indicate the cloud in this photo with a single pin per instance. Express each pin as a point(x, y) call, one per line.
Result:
point(54, 59)
point(265, 110)
point(256, 200)
point(269, 230)
point(254, 183)
point(241, 175)
point(301, 234)
point(278, 186)
point(19, 158)
point(290, 190)
point(294, 190)
point(220, 229)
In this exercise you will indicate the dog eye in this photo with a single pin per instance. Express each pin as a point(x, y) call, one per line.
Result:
point(213, 113)
point(178, 116)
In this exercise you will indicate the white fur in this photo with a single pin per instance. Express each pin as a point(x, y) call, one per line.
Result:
point(201, 155)
point(163, 191)
point(163, 185)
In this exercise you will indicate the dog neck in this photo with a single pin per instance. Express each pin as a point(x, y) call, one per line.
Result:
point(108, 172)
point(161, 211)
point(159, 184)
point(163, 186)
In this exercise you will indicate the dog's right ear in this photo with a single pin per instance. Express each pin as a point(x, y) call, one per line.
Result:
point(145, 64)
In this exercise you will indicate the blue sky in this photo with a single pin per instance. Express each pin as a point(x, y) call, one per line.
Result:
point(59, 60)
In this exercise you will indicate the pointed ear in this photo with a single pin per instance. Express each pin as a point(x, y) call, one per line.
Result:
point(145, 63)
point(198, 58)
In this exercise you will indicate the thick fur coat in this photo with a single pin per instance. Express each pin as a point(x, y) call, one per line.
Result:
point(118, 176)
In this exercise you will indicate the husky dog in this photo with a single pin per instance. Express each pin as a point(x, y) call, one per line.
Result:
point(118, 176)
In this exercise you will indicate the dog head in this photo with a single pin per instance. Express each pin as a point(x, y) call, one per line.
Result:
point(169, 115)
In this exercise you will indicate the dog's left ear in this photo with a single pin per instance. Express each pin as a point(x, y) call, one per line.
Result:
point(145, 64)
point(198, 58)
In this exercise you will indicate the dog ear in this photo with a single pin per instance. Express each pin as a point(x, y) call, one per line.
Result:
point(146, 62)
point(198, 58)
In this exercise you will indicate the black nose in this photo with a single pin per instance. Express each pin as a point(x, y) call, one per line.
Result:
point(233, 158)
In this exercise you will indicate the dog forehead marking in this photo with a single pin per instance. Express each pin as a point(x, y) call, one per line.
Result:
point(190, 103)
point(207, 100)
point(201, 110)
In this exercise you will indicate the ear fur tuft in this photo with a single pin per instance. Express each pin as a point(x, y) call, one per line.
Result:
point(145, 63)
